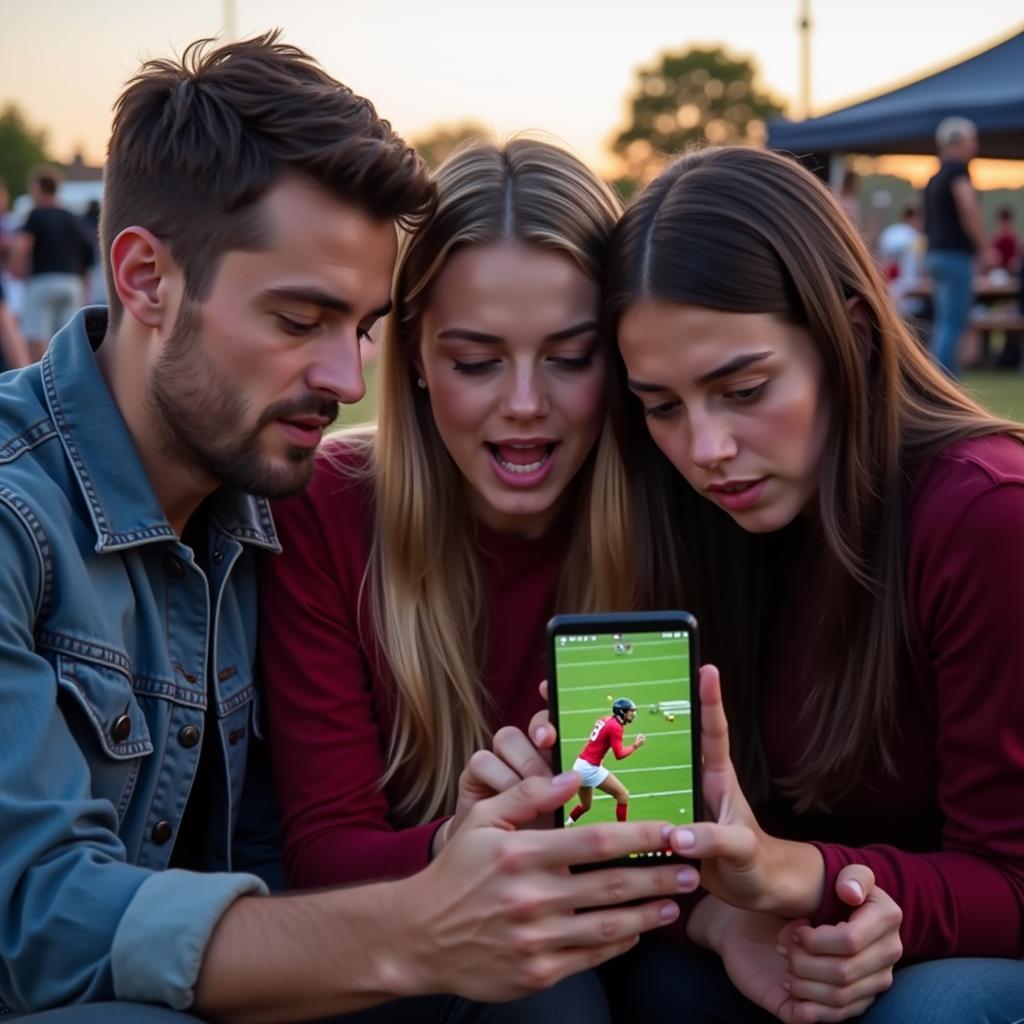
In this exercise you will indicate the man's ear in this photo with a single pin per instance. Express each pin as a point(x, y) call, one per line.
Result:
point(142, 266)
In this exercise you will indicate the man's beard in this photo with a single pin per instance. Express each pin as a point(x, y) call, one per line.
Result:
point(197, 412)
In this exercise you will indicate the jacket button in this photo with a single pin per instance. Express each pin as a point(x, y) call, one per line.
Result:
point(162, 831)
point(175, 566)
point(188, 736)
point(122, 729)
point(218, 556)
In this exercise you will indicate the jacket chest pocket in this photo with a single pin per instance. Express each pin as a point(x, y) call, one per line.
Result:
point(110, 727)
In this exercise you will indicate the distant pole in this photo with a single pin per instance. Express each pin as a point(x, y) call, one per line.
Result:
point(804, 25)
point(230, 28)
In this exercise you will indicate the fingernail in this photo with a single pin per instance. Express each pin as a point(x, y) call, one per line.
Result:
point(857, 888)
point(687, 877)
point(541, 732)
point(684, 838)
point(563, 779)
point(666, 834)
point(668, 912)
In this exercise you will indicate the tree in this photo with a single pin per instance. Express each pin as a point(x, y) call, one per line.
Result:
point(445, 139)
point(688, 98)
point(21, 148)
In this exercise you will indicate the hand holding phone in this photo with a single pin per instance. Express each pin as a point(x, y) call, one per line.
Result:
point(608, 677)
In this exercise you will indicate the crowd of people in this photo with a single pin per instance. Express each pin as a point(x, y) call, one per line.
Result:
point(937, 251)
point(238, 658)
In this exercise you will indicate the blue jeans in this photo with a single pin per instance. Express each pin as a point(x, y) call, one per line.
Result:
point(952, 274)
point(662, 983)
point(577, 998)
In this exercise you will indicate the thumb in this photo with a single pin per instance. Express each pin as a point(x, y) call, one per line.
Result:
point(853, 883)
point(524, 802)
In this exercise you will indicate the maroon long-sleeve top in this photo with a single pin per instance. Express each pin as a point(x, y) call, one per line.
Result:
point(330, 699)
point(946, 837)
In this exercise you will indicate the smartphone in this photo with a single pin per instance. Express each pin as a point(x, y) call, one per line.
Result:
point(622, 692)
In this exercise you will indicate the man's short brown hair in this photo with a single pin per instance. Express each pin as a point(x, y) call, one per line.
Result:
point(196, 143)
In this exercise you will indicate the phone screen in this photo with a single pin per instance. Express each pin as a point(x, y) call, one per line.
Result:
point(623, 706)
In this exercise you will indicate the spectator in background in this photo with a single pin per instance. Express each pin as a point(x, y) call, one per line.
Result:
point(13, 350)
point(96, 292)
point(54, 253)
point(901, 254)
point(1005, 242)
point(849, 197)
point(956, 235)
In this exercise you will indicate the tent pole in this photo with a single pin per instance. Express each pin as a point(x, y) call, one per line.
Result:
point(804, 26)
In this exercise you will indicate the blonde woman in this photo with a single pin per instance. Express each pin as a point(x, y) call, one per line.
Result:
point(403, 625)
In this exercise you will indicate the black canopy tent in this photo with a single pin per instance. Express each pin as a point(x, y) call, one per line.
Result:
point(988, 88)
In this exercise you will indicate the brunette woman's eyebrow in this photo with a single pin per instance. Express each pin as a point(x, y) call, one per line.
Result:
point(732, 366)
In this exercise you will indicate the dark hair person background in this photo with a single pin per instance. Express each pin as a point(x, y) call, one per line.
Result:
point(850, 534)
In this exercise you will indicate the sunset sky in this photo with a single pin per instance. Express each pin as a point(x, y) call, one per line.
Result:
point(562, 66)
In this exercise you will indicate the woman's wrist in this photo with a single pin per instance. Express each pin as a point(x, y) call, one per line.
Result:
point(799, 879)
point(708, 923)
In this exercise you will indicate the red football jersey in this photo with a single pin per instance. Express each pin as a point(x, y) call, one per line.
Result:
point(607, 734)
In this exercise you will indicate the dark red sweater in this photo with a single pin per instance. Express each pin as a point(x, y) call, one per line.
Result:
point(329, 705)
point(946, 838)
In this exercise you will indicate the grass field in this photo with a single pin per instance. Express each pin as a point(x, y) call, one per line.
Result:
point(657, 670)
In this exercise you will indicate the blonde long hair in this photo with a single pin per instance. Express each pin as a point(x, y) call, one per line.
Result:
point(425, 590)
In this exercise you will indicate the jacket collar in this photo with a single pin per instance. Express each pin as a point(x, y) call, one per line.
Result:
point(124, 510)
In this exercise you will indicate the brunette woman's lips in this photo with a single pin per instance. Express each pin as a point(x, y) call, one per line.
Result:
point(522, 462)
point(738, 495)
point(305, 432)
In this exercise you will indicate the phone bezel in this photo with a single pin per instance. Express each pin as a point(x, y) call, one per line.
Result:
point(631, 622)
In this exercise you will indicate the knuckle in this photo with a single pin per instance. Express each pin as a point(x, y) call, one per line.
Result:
point(606, 928)
point(886, 980)
point(617, 889)
point(844, 974)
point(599, 843)
point(539, 973)
point(526, 943)
point(511, 857)
point(505, 735)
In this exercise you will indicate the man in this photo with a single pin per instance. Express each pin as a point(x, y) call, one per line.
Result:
point(607, 734)
point(956, 235)
point(53, 253)
point(249, 234)
point(900, 251)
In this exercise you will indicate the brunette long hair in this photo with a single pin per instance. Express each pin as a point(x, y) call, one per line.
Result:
point(743, 230)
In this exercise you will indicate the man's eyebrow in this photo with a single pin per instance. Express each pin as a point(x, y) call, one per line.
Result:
point(738, 363)
point(325, 300)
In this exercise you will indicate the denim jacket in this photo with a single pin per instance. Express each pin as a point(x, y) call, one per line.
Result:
point(112, 643)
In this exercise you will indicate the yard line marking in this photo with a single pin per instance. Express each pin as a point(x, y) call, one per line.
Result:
point(650, 732)
point(643, 796)
point(606, 710)
point(567, 665)
point(621, 686)
point(665, 768)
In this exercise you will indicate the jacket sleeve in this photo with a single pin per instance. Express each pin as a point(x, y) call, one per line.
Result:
point(77, 923)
